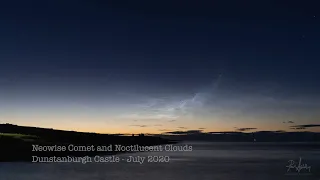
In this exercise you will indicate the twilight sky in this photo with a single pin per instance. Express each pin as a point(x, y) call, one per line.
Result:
point(157, 66)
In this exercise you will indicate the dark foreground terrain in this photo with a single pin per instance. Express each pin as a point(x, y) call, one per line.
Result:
point(16, 142)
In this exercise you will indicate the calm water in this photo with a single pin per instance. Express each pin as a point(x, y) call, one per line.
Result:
point(212, 161)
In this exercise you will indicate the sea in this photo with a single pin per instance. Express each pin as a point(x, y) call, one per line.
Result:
point(204, 161)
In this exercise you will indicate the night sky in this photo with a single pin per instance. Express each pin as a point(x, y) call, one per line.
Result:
point(156, 66)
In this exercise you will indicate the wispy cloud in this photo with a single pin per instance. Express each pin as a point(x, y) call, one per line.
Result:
point(171, 109)
point(289, 122)
point(298, 128)
point(142, 116)
point(185, 132)
point(246, 129)
point(305, 126)
point(159, 109)
point(139, 125)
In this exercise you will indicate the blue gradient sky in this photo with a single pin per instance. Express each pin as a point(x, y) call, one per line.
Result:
point(141, 66)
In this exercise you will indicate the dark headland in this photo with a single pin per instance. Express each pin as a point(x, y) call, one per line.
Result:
point(16, 142)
